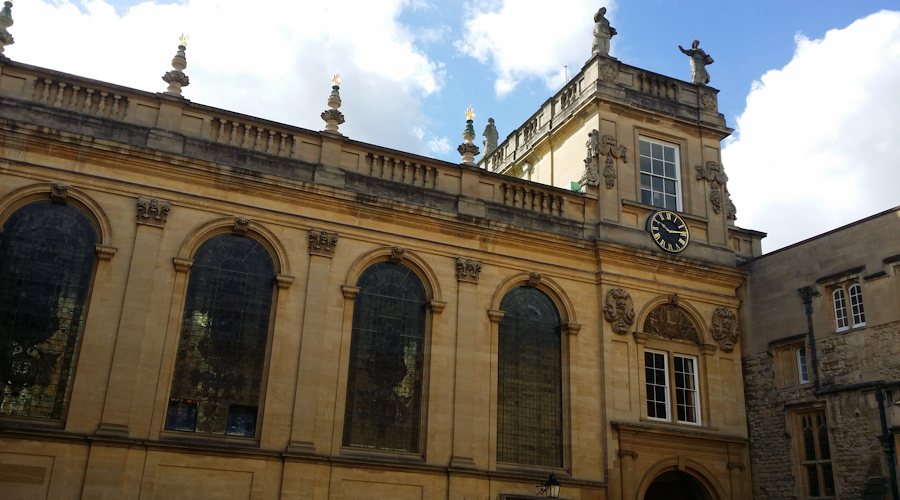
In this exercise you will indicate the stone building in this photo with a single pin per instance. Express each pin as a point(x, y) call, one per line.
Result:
point(825, 429)
point(202, 304)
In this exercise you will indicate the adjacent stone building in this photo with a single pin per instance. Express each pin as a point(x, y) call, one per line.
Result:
point(202, 304)
point(826, 429)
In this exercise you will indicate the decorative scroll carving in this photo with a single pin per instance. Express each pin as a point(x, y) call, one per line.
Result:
point(397, 253)
point(152, 211)
point(715, 174)
point(468, 269)
point(322, 243)
point(59, 191)
point(725, 328)
point(598, 146)
point(591, 176)
point(608, 73)
point(619, 310)
point(609, 173)
point(534, 279)
point(241, 224)
point(669, 321)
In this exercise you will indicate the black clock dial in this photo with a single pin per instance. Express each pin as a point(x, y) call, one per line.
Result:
point(668, 231)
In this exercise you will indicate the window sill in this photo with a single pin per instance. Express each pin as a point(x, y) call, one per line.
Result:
point(681, 426)
point(213, 440)
point(382, 456)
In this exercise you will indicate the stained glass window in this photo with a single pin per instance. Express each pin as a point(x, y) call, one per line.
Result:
point(529, 395)
point(224, 331)
point(387, 357)
point(46, 264)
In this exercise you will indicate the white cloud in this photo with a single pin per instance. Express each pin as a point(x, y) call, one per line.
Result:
point(439, 146)
point(511, 39)
point(270, 58)
point(818, 144)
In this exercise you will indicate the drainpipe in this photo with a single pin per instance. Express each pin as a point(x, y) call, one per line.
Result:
point(806, 295)
point(887, 442)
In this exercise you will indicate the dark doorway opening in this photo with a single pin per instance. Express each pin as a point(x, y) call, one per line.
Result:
point(676, 485)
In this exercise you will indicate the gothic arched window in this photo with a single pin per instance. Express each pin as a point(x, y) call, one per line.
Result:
point(387, 358)
point(529, 393)
point(224, 332)
point(46, 263)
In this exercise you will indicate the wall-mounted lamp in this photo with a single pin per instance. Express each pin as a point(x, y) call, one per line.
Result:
point(550, 489)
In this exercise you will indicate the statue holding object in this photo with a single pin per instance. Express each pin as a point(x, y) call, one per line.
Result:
point(699, 61)
point(603, 32)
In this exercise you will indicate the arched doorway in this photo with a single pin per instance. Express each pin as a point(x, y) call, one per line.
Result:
point(676, 485)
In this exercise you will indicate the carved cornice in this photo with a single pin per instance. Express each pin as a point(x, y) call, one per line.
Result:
point(468, 269)
point(182, 265)
point(284, 281)
point(152, 211)
point(105, 252)
point(349, 291)
point(322, 243)
point(495, 315)
point(725, 328)
point(619, 310)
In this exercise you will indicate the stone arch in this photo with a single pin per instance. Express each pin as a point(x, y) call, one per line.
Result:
point(690, 311)
point(44, 191)
point(556, 293)
point(404, 256)
point(687, 466)
point(254, 229)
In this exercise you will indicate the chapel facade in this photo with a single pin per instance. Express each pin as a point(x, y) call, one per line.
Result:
point(202, 304)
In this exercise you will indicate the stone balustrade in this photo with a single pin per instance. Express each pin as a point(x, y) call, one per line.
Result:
point(87, 99)
point(262, 138)
point(399, 169)
point(657, 85)
point(527, 197)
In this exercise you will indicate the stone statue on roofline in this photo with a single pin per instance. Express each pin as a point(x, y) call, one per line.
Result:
point(699, 61)
point(602, 33)
point(490, 137)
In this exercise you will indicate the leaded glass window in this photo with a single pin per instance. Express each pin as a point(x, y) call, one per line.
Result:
point(224, 332)
point(529, 393)
point(816, 455)
point(387, 357)
point(46, 264)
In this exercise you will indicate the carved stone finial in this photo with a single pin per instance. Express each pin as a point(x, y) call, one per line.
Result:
point(397, 254)
point(468, 269)
point(241, 224)
point(152, 211)
point(6, 21)
point(725, 328)
point(332, 116)
point(176, 78)
point(534, 279)
point(59, 192)
point(699, 61)
point(619, 310)
point(467, 149)
point(603, 32)
point(322, 243)
point(491, 136)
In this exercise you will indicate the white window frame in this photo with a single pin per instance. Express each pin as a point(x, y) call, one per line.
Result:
point(693, 392)
point(647, 384)
point(857, 309)
point(677, 178)
point(802, 365)
point(839, 301)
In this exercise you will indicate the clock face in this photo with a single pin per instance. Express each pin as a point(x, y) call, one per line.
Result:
point(668, 231)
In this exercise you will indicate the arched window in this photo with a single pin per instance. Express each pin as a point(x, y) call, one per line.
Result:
point(856, 306)
point(840, 309)
point(224, 332)
point(387, 358)
point(529, 392)
point(46, 264)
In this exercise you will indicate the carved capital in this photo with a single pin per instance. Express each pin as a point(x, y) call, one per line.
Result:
point(707, 349)
point(397, 254)
point(628, 453)
point(284, 281)
point(241, 224)
point(437, 306)
point(495, 315)
point(322, 243)
point(619, 310)
point(182, 265)
point(468, 269)
point(736, 465)
point(571, 329)
point(59, 192)
point(349, 291)
point(534, 279)
point(725, 328)
point(105, 252)
point(152, 211)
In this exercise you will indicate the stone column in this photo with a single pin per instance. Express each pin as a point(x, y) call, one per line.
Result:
point(321, 250)
point(467, 326)
point(151, 218)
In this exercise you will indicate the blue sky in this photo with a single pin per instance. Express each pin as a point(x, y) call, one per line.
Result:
point(822, 70)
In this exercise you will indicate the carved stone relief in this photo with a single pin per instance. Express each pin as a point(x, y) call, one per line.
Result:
point(708, 101)
point(669, 321)
point(59, 191)
point(468, 269)
point(241, 224)
point(322, 243)
point(619, 310)
point(608, 73)
point(397, 254)
point(152, 211)
point(598, 146)
point(725, 328)
point(534, 279)
point(719, 198)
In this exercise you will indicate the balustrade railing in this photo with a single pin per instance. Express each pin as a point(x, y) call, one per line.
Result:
point(80, 98)
point(252, 136)
point(529, 198)
point(398, 169)
point(658, 86)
